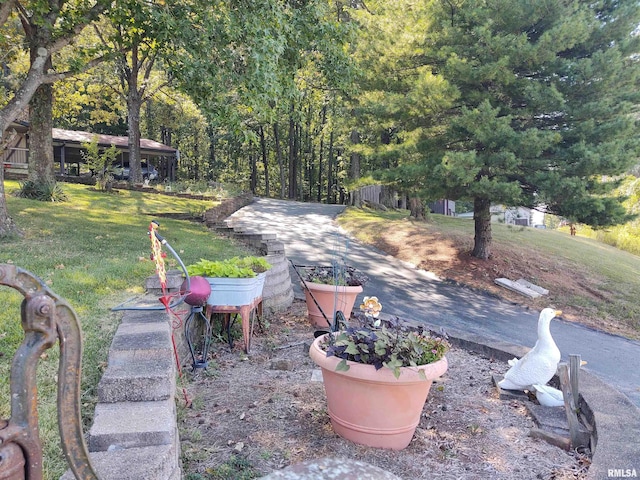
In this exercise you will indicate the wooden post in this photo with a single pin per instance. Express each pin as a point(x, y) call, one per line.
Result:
point(580, 437)
point(574, 375)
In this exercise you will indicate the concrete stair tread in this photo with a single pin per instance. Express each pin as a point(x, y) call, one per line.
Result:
point(144, 463)
point(132, 424)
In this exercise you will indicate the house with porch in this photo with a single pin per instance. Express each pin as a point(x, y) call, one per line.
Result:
point(67, 151)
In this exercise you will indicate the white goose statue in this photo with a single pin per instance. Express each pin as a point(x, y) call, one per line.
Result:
point(548, 396)
point(540, 363)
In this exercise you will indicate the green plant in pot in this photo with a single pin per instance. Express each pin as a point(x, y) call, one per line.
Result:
point(234, 281)
point(236, 267)
point(377, 376)
point(329, 289)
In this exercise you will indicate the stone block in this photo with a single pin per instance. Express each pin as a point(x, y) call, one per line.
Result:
point(146, 316)
point(551, 419)
point(144, 463)
point(132, 424)
point(135, 377)
point(141, 341)
point(174, 281)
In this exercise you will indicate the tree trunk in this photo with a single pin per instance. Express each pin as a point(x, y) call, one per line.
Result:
point(321, 152)
point(41, 116)
point(354, 167)
point(482, 222)
point(213, 168)
point(293, 174)
point(134, 104)
point(356, 198)
point(6, 224)
point(40, 136)
point(130, 74)
point(276, 139)
point(167, 172)
point(265, 161)
point(21, 99)
point(253, 179)
point(308, 153)
point(297, 147)
point(416, 208)
point(330, 190)
point(387, 197)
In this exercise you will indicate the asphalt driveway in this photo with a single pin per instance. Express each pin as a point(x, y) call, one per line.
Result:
point(311, 237)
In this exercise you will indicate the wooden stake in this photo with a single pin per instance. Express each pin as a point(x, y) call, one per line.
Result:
point(574, 376)
point(580, 437)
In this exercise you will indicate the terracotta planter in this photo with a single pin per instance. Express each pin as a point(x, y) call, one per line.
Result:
point(372, 407)
point(330, 298)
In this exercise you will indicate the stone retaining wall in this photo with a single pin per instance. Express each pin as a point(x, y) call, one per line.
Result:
point(217, 214)
point(134, 435)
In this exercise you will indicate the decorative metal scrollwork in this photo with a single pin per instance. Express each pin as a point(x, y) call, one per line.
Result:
point(45, 318)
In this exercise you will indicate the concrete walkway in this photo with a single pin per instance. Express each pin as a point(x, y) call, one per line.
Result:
point(310, 236)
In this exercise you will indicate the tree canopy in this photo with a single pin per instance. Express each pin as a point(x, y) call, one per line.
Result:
point(538, 108)
point(512, 102)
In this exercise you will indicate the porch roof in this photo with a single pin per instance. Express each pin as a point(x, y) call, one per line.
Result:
point(77, 138)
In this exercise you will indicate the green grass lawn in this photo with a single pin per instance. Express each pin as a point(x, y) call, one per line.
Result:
point(93, 251)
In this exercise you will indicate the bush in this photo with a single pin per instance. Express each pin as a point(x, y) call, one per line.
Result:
point(44, 192)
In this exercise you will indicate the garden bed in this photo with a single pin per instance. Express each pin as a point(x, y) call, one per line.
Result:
point(262, 412)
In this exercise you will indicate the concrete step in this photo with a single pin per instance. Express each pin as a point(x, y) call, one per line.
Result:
point(135, 377)
point(147, 338)
point(144, 463)
point(146, 316)
point(272, 247)
point(132, 424)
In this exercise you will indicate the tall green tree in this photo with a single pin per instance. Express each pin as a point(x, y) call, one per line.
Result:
point(49, 26)
point(138, 34)
point(542, 108)
point(259, 59)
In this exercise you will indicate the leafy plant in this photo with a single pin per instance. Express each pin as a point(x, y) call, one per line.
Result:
point(45, 192)
point(236, 267)
point(390, 343)
point(100, 161)
point(334, 275)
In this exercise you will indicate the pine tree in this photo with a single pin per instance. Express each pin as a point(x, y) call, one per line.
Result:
point(541, 112)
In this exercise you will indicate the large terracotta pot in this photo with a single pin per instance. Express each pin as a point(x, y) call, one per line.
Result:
point(373, 407)
point(330, 298)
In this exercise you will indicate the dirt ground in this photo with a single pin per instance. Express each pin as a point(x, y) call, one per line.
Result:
point(253, 414)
